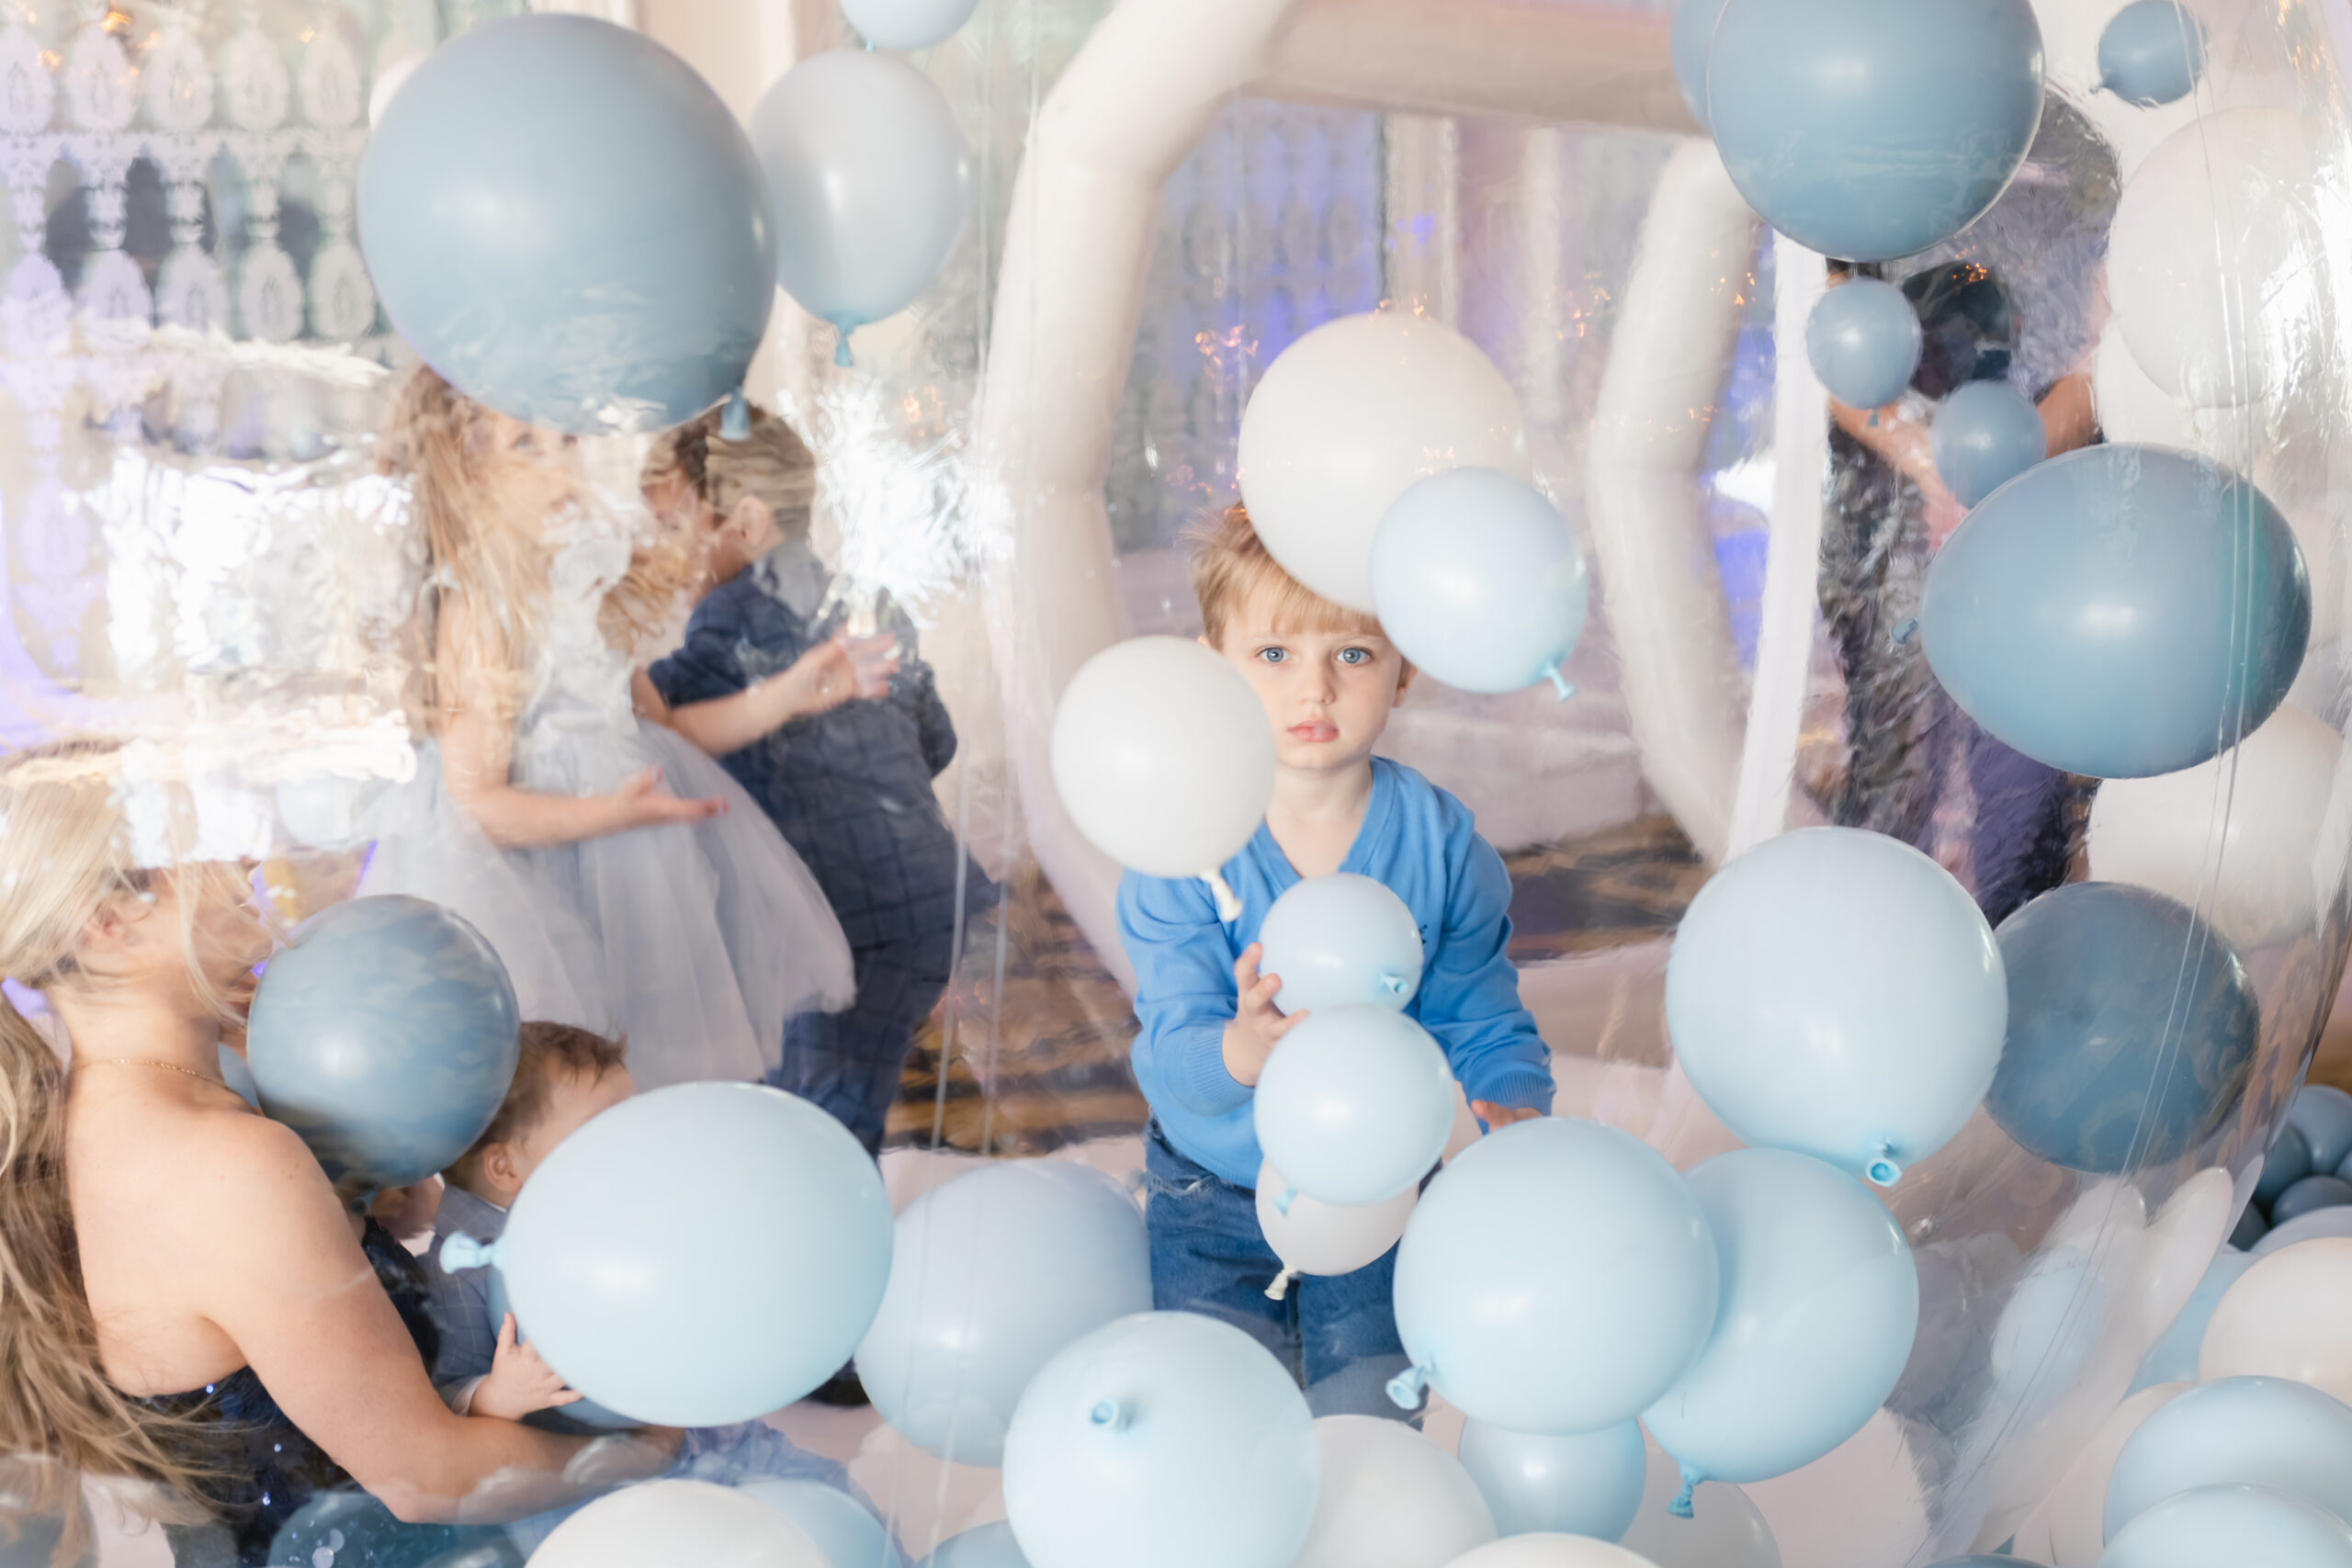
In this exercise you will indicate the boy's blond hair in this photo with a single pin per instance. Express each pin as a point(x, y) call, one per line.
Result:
point(547, 1049)
point(1231, 563)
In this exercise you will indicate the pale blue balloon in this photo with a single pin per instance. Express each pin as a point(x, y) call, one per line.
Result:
point(579, 1413)
point(1862, 340)
point(2120, 611)
point(1356, 1105)
point(2173, 1358)
point(2236, 1431)
point(2311, 1226)
point(239, 1078)
point(1480, 582)
point(1836, 992)
point(1165, 1441)
point(700, 1255)
point(2216, 1525)
point(907, 24)
point(1694, 33)
point(1984, 435)
point(1540, 1315)
point(991, 1274)
point(869, 180)
point(1820, 1301)
point(1340, 940)
point(2322, 1113)
point(1573, 1483)
point(564, 220)
point(2152, 52)
point(1873, 129)
point(2251, 1229)
point(838, 1523)
point(385, 1032)
point(2309, 1196)
point(2288, 1161)
point(983, 1546)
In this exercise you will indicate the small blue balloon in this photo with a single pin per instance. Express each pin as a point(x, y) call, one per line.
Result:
point(1165, 1440)
point(991, 1274)
point(1984, 435)
point(2309, 1196)
point(2288, 1161)
point(1836, 992)
point(838, 1523)
point(1357, 1105)
point(2131, 1029)
point(2152, 52)
point(870, 183)
point(1541, 1317)
point(351, 1529)
point(239, 1078)
point(2120, 612)
point(907, 24)
point(2322, 1113)
point(984, 1546)
point(1340, 940)
point(565, 221)
point(1862, 341)
point(1575, 1483)
point(1693, 35)
point(1820, 1303)
point(2173, 1358)
point(2214, 1525)
point(701, 1255)
point(2247, 1233)
point(385, 1032)
point(1479, 581)
point(2252, 1431)
point(1873, 129)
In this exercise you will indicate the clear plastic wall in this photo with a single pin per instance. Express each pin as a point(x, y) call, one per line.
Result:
point(202, 559)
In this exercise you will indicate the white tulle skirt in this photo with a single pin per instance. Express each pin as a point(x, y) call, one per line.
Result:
point(693, 942)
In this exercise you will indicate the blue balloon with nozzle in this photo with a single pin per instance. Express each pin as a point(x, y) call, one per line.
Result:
point(385, 1033)
point(563, 219)
point(1480, 582)
point(1340, 940)
point(2120, 611)
point(1356, 1105)
point(1986, 434)
point(1862, 340)
point(1569, 1483)
point(2152, 52)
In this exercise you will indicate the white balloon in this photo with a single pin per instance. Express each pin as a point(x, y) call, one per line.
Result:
point(2074, 1509)
point(1164, 756)
point(2285, 1318)
point(2131, 407)
point(1724, 1529)
point(1390, 1498)
point(678, 1521)
point(2215, 265)
point(1317, 1237)
point(1348, 417)
point(2266, 796)
point(1551, 1552)
point(390, 77)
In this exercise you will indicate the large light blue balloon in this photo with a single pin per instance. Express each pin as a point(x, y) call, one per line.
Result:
point(992, 1273)
point(1693, 35)
point(1862, 341)
point(239, 1078)
point(983, 1546)
point(1575, 1484)
point(2309, 1196)
point(1836, 992)
point(1356, 1105)
point(703, 1254)
point(2233, 1525)
point(2322, 1113)
point(2120, 611)
point(1539, 1314)
point(1340, 940)
point(579, 1413)
point(564, 220)
point(1984, 435)
point(2152, 52)
point(839, 1523)
point(2131, 1029)
point(1873, 129)
point(2250, 1431)
point(2288, 1161)
point(1165, 1441)
point(2173, 1358)
point(1479, 581)
point(869, 180)
point(1820, 1301)
point(385, 1032)
point(907, 24)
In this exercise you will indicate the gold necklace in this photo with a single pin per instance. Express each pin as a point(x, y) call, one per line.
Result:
point(145, 1062)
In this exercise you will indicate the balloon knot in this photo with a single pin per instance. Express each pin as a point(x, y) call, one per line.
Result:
point(1284, 1199)
point(1405, 1388)
point(1904, 632)
point(735, 425)
point(1680, 1506)
point(1392, 984)
point(841, 349)
point(462, 1251)
point(1882, 1170)
point(1228, 905)
point(1110, 1415)
point(1281, 1287)
point(1561, 689)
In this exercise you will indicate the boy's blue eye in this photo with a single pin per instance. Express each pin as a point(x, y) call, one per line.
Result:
point(1355, 655)
point(1274, 655)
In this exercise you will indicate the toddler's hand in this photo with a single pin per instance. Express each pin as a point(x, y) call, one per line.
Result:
point(1257, 1027)
point(1496, 1116)
point(837, 670)
point(519, 1382)
point(643, 803)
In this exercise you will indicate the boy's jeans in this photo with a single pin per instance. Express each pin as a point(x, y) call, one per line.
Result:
point(1336, 1333)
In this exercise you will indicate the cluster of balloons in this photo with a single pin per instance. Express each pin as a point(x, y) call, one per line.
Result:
point(2303, 1190)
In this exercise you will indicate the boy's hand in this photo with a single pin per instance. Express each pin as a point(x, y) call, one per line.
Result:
point(1257, 1028)
point(519, 1382)
point(1495, 1116)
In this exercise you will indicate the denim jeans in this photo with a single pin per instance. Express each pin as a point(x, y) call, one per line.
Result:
point(1337, 1335)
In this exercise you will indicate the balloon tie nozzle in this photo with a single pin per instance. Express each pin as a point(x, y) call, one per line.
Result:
point(1281, 1287)
point(1406, 1388)
point(1392, 984)
point(462, 1251)
point(1883, 1170)
point(841, 355)
point(1561, 689)
point(735, 425)
point(1680, 1506)
point(1904, 632)
point(1110, 1415)
point(1228, 905)
point(1284, 1199)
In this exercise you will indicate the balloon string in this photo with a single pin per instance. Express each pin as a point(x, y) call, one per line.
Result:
point(1405, 1388)
point(1228, 906)
point(1281, 1287)
point(1561, 689)
point(1680, 1506)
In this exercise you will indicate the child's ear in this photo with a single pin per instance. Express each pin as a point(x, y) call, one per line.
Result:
point(750, 521)
point(502, 1170)
point(1404, 683)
